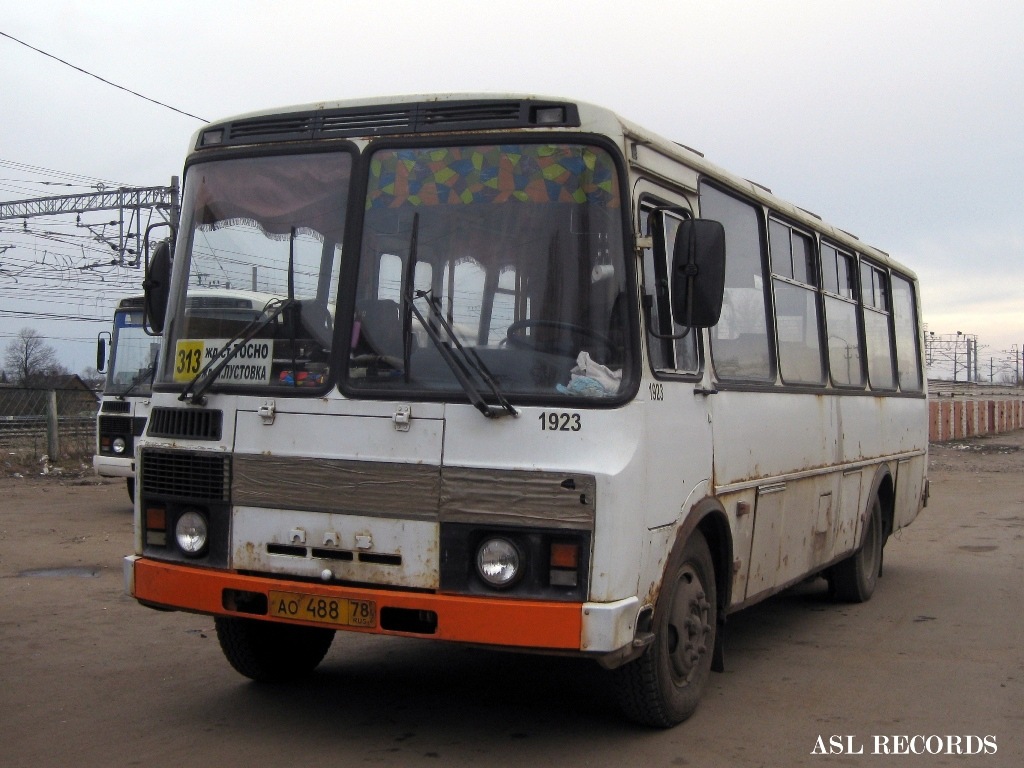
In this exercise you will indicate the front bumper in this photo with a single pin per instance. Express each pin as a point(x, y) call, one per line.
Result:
point(113, 466)
point(528, 624)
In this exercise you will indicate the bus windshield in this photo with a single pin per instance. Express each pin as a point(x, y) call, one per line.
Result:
point(497, 268)
point(255, 233)
point(498, 264)
point(132, 356)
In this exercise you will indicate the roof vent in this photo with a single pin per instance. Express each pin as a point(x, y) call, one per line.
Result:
point(392, 119)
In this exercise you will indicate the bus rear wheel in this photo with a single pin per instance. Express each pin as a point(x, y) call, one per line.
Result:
point(663, 687)
point(271, 653)
point(853, 580)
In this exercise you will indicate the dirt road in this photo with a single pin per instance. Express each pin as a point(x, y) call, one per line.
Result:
point(90, 678)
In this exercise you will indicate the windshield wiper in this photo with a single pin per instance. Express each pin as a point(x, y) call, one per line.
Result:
point(461, 369)
point(145, 375)
point(202, 381)
point(227, 353)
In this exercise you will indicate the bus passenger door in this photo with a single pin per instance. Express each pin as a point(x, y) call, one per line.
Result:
point(677, 424)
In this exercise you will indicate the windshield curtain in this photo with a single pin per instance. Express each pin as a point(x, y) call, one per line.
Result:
point(510, 255)
point(260, 237)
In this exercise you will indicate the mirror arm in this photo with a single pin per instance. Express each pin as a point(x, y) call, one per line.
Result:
point(648, 301)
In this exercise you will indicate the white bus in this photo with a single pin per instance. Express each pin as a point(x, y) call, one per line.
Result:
point(128, 357)
point(535, 378)
point(128, 361)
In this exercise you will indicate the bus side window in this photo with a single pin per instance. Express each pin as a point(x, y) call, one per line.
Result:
point(876, 307)
point(796, 304)
point(908, 357)
point(844, 340)
point(389, 277)
point(740, 345)
point(666, 355)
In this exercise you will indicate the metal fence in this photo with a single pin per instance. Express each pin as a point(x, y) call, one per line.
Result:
point(56, 423)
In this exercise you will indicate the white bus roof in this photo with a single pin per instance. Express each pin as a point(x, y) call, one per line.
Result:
point(592, 119)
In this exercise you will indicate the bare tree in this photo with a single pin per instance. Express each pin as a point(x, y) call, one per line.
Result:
point(29, 359)
point(91, 376)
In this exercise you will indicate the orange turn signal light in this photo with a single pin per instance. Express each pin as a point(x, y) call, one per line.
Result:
point(156, 519)
point(565, 555)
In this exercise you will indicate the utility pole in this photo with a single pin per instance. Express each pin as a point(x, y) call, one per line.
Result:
point(970, 370)
point(954, 361)
point(942, 351)
point(129, 201)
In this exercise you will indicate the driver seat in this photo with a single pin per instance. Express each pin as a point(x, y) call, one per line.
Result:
point(380, 329)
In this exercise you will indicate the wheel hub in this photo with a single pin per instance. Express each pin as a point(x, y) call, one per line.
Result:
point(689, 629)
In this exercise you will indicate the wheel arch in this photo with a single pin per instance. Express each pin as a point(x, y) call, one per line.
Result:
point(884, 487)
point(709, 517)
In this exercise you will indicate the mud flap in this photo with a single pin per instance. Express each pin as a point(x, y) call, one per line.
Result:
point(718, 657)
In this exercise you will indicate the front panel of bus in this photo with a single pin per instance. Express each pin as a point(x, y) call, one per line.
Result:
point(126, 392)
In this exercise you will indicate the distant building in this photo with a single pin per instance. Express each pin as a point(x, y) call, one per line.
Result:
point(74, 398)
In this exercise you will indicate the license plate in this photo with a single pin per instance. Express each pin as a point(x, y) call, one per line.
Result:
point(340, 611)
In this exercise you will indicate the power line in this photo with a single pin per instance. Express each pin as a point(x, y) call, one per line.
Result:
point(44, 183)
point(102, 80)
point(90, 181)
point(53, 316)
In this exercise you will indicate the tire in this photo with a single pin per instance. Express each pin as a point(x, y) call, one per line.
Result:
point(853, 580)
point(131, 489)
point(663, 687)
point(272, 653)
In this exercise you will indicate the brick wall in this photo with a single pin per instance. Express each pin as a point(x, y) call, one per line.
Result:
point(954, 418)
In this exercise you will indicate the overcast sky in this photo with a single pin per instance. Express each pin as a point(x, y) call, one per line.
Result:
point(900, 122)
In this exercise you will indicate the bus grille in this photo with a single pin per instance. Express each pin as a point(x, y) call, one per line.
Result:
point(186, 423)
point(385, 119)
point(190, 475)
point(358, 122)
point(116, 406)
point(501, 113)
point(115, 425)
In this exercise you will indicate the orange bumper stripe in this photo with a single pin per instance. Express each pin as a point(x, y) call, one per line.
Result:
point(489, 621)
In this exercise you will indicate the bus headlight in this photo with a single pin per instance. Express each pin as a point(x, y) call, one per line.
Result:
point(498, 562)
point(191, 532)
point(118, 445)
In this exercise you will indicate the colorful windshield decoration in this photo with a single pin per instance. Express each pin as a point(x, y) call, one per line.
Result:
point(532, 173)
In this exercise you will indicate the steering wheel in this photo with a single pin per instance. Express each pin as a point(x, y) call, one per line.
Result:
point(563, 346)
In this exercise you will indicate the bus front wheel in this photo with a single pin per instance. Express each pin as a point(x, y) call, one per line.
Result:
point(663, 687)
point(271, 653)
point(853, 580)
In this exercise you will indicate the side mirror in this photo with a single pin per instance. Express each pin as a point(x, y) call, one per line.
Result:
point(157, 287)
point(101, 351)
point(698, 273)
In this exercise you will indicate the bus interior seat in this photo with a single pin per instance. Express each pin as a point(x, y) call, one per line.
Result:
point(380, 331)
